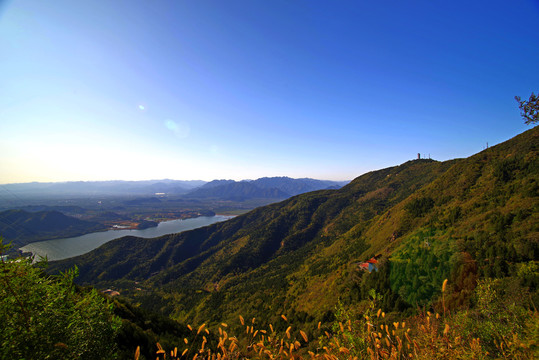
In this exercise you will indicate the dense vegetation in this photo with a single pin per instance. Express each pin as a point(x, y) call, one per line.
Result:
point(479, 215)
point(48, 317)
point(497, 327)
point(22, 227)
point(471, 221)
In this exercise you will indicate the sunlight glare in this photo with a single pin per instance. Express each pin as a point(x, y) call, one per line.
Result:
point(180, 129)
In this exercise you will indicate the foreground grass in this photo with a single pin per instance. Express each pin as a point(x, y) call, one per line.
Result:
point(490, 331)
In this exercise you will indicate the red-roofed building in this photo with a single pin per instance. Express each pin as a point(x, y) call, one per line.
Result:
point(369, 265)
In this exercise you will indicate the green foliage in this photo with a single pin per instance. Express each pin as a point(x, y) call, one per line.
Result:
point(528, 274)
point(48, 317)
point(498, 315)
point(528, 277)
point(516, 166)
point(142, 328)
point(376, 286)
point(499, 253)
point(22, 227)
point(365, 332)
point(529, 109)
point(419, 207)
point(419, 266)
point(351, 325)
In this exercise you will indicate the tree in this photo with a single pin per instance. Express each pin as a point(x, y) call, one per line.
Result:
point(48, 317)
point(529, 109)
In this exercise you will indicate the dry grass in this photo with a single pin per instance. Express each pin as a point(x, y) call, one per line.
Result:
point(428, 336)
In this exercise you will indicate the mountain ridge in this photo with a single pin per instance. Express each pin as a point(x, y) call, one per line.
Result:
point(236, 191)
point(22, 227)
point(281, 187)
point(300, 253)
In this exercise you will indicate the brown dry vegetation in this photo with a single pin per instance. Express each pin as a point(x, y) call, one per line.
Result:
point(427, 336)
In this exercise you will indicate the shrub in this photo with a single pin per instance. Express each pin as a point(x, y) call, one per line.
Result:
point(419, 207)
point(48, 317)
point(367, 333)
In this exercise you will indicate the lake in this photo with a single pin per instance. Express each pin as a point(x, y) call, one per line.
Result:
point(59, 249)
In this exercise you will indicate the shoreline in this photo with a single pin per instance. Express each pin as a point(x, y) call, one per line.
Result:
point(78, 245)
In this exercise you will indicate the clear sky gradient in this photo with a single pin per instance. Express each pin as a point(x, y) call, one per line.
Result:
point(132, 90)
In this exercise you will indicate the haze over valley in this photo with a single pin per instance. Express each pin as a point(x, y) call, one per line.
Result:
point(47, 211)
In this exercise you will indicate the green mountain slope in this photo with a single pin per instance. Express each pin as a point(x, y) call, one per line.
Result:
point(429, 220)
point(22, 227)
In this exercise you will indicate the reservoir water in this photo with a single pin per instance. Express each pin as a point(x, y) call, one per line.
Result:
point(59, 249)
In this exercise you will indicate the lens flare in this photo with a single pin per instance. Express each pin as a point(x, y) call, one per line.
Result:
point(180, 129)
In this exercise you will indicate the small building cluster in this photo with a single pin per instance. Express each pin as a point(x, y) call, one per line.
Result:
point(110, 292)
point(369, 265)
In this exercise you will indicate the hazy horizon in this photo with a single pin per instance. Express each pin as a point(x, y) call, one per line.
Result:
point(131, 90)
point(157, 180)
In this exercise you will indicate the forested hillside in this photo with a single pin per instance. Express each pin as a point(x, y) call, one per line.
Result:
point(21, 227)
point(460, 219)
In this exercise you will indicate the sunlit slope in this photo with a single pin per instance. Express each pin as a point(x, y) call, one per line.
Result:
point(476, 192)
point(250, 240)
point(300, 256)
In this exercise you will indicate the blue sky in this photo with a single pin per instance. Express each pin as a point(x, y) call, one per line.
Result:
point(132, 90)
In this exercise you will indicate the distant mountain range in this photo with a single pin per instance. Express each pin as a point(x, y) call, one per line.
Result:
point(263, 188)
point(266, 188)
point(237, 191)
point(297, 186)
point(95, 188)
